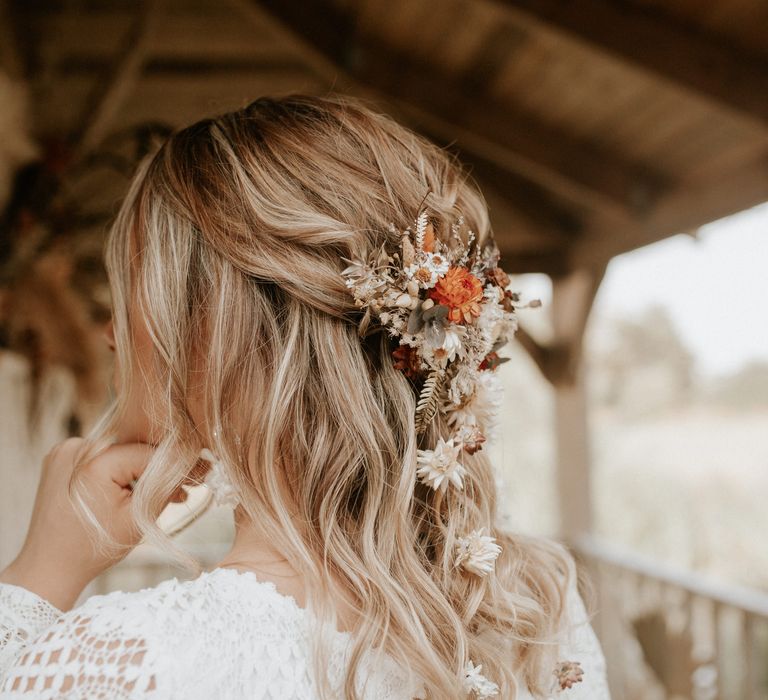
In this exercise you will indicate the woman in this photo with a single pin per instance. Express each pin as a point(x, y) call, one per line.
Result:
point(306, 294)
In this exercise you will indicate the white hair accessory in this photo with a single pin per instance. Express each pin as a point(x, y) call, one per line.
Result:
point(224, 493)
point(477, 552)
point(476, 684)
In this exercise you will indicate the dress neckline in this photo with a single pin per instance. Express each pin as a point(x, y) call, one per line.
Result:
point(288, 601)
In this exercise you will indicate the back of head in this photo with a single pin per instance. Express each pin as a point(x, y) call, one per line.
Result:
point(230, 245)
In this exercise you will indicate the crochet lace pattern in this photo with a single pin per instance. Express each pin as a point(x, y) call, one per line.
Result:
point(225, 634)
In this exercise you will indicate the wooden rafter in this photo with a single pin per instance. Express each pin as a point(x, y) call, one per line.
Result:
point(550, 262)
point(10, 57)
point(120, 78)
point(554, 218)
point(559, 360)
point(681, 211)
point(498, 46)
point(441, 106)
point(703, 64)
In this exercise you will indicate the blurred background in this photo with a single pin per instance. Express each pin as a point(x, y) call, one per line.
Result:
point(622, 146)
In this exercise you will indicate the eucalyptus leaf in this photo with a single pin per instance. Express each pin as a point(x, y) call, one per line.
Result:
point(435, 334)
point(415, 320)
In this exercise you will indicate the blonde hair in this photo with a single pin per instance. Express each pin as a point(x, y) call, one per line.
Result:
point(231, 240)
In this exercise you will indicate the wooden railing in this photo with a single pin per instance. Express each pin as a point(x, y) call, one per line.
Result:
point(670, 633)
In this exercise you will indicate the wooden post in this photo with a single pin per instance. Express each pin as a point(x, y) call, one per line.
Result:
point(574, 494)
point(571, 427)
point(572, 297)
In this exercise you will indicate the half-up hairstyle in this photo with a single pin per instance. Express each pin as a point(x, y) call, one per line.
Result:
point(230, 242)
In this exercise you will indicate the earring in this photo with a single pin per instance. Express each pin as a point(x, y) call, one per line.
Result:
point(224, 493)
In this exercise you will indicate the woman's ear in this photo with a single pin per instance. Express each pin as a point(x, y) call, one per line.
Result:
point(109, 334)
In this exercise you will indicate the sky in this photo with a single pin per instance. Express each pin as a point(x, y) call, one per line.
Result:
point(714, 286)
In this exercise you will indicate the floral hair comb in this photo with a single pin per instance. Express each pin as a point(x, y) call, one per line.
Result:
point(447, 302)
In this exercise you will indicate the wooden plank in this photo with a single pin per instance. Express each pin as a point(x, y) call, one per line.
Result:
point(676, 52)
point(172, 67)
point(750, 600)
point(479, 125)
point(550, 262)
point(500, 43)
point(554, 219)
point(109, 93)
point(572, 298)
point(222, 36)
point(173, 100)
point(10, 57)
point(683, 210)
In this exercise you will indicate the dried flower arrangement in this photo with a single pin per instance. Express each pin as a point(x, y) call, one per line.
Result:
point(448, 304)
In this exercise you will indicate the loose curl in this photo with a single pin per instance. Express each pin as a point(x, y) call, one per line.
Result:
point(230, 242)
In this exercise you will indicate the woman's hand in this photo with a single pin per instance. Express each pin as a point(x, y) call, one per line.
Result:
point(58, 558)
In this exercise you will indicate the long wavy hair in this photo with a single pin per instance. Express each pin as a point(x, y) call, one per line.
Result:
point(230, 244)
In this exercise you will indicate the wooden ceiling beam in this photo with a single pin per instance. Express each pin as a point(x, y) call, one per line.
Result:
point(550, 262)
point(187, 67)
point(662, 45)
point(548, 214)
point(438, 104)
point(681, 211)
point(119, 79)
point(11, 60)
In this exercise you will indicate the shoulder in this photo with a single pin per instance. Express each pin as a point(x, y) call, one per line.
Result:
point(121, 644)
point(102, 648)
point(580, 653)
point(578, 646)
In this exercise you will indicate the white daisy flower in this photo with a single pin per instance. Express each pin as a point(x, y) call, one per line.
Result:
point(224, 493)
point(452, 345)
point(477, 552)
point(440, 466)
point(475, 682)
point(427, 269)
point(451, 348)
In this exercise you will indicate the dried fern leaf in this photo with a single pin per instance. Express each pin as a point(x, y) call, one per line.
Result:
point(421, 229)
point(426, 407)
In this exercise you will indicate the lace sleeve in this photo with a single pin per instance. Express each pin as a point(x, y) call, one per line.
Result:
point(582, 646)
point(83, 653)
point(23, 615)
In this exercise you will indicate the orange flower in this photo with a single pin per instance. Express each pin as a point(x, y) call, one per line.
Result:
point(461, 292)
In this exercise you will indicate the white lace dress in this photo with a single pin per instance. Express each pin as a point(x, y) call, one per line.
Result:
point(225, 635)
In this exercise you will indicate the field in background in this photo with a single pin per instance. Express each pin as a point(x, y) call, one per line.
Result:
point(680, 463)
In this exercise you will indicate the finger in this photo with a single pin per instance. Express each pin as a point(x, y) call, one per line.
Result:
point(124, 463)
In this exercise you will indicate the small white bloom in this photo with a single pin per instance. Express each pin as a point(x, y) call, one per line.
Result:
point(475, 682)
point(477, 552)
point(440, 466)
point(491, 322)
point(427, 268)
point(452, 345)
point(493, 293)
point(224, 493)
point(462, 385)
point(365, 283)
point(481, 407)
